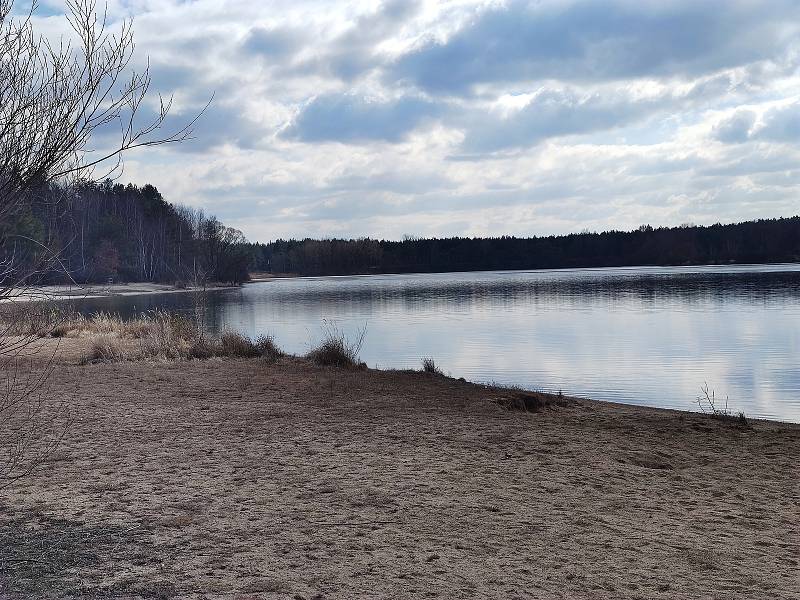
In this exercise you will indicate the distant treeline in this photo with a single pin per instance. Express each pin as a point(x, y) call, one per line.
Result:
point(95, 232)
point(100, 232)
point(769, 240)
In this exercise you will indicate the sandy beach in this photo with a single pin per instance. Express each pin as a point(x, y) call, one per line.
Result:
point(234, 478)
point(91, 290)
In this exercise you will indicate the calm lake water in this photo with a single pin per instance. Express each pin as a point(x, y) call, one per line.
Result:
point(645, 335)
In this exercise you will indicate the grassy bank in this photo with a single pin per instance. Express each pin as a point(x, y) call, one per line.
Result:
point(169, 336)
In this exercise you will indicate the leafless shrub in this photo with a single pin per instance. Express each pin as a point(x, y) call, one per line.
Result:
point(267, 348)
point(233, 343)
point(336, 349)
point(429, 366)
point(104, 348)
point(59, 331)
point(162, 334)
point(709, 405)
point(202, 349)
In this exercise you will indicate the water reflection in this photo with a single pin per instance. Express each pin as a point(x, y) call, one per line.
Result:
point(646, 335)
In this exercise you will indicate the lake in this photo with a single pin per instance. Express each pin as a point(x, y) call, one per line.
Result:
point(643, 335)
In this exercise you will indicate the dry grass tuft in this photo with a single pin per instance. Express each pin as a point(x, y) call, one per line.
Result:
point(429, 366)
point(708, 403)
point(202, 349)
point(59, 331)
point(531, 401)
point(104, 348)
point(232, 343)
point(160, 335)
point(267, 348)
point(336, 349)
point(163, 335)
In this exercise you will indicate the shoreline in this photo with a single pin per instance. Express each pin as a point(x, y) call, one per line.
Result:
point(92, 291)
point(128, 338)
point(774, 267)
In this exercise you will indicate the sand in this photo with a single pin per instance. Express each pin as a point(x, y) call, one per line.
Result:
point(243, 479)
point(51, 293)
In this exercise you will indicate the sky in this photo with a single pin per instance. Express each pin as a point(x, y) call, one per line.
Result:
point(471, 118)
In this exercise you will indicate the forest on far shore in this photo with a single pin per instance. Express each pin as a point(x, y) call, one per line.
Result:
point(99, 232)
point(762, 241)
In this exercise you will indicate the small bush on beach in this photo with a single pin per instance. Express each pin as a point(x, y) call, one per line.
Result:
point(161, 334)
point(514, 397)
point(60, 331)
point(429, 366)
point(336, 349)
point(233, 343)
point(202, 349)
point(182, 326)
point(333, 353)
point(709, 405)
point(104, 348)
point(527, 401)
point(267, 348)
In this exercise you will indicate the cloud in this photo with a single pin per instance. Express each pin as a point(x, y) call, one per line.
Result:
point(354, 119)
point(271, 43)
point(571, 111)
point(555, 113)
point(354, 52)
point(781, 124)
point(735, 129)
point(778, 124)
point(600, 41)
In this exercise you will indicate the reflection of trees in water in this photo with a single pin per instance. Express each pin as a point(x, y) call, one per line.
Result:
point(753, 288)
point(219, 306)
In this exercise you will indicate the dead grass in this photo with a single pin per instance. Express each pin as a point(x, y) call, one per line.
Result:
point(37, 319)
point(104, 348)
point(235, 344)
point(336, 349)
point(160, 335)
point(267, 348)
point(709, 405)
point(202, 349)
point(527, 401)
point(429, 366)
